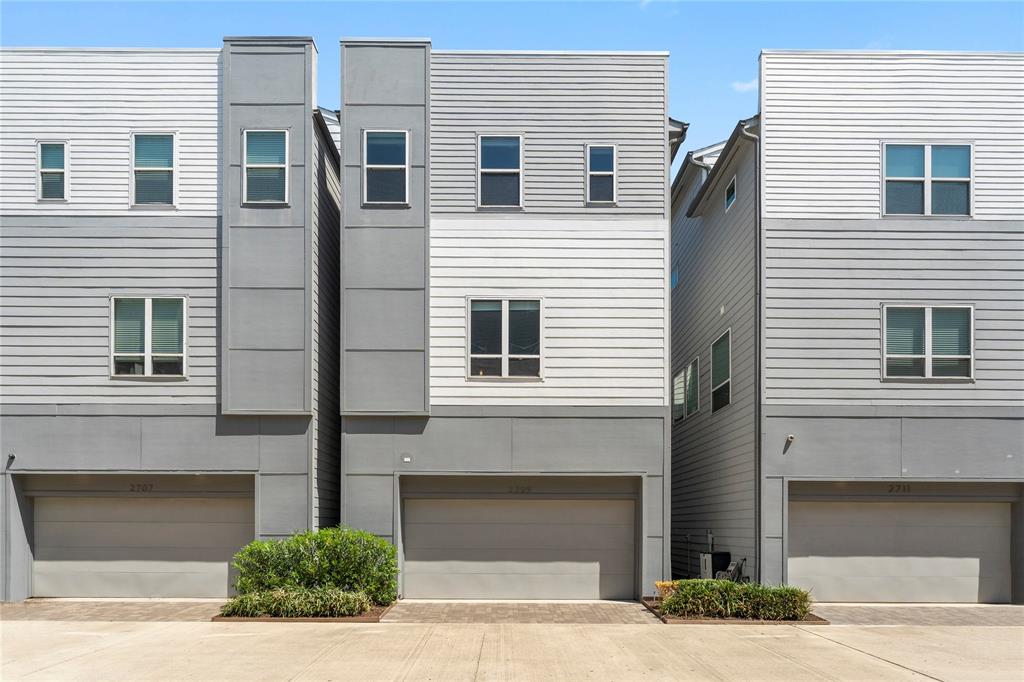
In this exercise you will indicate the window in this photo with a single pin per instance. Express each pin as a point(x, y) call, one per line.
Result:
point(153, 168)
point(927, 179)
point(386, 167)
point(500, 181)
point(148, 336)
point(266, 167)
point(675, 278)
point(504, 338)
point(721, 372)
point(601, 174)
point(678, 395)
point(693, 387)
point(730, 194)
point(52, 170)
point(929, 342)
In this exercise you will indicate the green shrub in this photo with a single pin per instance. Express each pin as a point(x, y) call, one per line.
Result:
point(343, 558)
point(317, 602)
point(727, 599)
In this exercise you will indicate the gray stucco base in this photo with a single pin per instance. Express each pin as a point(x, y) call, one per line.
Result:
point(378, 452)
point(150, 442)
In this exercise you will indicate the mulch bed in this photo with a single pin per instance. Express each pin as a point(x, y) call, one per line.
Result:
point(372, 616)
point(653, 605)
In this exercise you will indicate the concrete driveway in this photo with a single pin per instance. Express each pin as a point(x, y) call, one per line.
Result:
point(66, 649)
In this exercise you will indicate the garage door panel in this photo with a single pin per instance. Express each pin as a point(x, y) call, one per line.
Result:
point(56, 581)
point(518, 561)
point(135, 534)
point(516, 535)
point(516, 586)
point(145, 509)
point(140, 555)
point(933, 540)
point(579, 512)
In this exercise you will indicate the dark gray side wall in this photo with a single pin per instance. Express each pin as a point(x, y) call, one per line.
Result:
point(266, 344)
point(713, 455)
point(384, 355)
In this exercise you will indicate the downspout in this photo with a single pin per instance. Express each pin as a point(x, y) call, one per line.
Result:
point(746, 134)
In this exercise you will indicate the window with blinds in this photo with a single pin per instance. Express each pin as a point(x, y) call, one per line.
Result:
point(721, 372)
point(504, 339)
point(52, 171)
point(386, 167)
point(148, 337)
point(153, 169)
point(266, 167)
point(928, 342)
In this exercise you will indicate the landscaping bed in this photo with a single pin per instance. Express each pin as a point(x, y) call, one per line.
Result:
point(724, 601)
point(372, 616)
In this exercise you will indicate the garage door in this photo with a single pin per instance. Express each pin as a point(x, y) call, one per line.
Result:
point(519, 549)
point(901, 551)
point(131, 547)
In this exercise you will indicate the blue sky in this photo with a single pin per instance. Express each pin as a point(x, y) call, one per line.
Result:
point(713, 46)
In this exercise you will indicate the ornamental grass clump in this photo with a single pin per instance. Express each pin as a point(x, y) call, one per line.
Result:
point(298, 602)
point(698, 599)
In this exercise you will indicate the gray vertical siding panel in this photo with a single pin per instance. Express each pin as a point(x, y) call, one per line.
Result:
point(559, 103)
point(713, 455)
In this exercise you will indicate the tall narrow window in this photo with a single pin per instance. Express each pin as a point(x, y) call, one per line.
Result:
point(693, 387)
point(929, 342)
point(52, 170)
point(730, 194)
point(266, 167)
point(153, 168)
point(927, 179)
point(504, 338)
point(148, 337)
point(386, 167)
point(721, 372)
point(679, 395)
point(601, 174)
point(500, 177)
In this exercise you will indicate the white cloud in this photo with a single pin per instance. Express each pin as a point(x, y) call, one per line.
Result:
point(745, 86)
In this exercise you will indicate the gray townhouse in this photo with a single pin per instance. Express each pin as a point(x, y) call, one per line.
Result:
point(504, 327)
point(170, 309)
point(848, 330)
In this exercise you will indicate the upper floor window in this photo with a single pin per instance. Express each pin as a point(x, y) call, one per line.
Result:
point(266, 167)
point(148, 336)
point(52, 170)
point(601, 174)
point(693, 387)
point(386, 167)
point(721, 372)
point(929, 342)
point(679, 395)
point(500, 171)
point(153, 168)
point(927, 179)
point(730, 194)
point(504, 338)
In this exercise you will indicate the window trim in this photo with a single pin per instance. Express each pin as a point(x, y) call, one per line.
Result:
point(927, 356)
point(927, 179)
point(696, 373)
point(711, 371)
point(735, 194)
point(505, 356)
point(614, 174)
point(40, 170)
point(246, 166)
point(368, 166)
point(147, 350)
point(480, 170)
point(173, 169)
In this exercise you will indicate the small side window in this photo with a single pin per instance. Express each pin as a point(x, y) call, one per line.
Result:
point(721, 372)
point(730, 194)
point(386, 167)
point(693, 387)
point(601, 174)
point(266, 167)
point(52, 171)
point(679, 395)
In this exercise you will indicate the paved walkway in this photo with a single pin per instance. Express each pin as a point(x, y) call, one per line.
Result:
point(583, 613)
point(986, 615)
point(102, 610)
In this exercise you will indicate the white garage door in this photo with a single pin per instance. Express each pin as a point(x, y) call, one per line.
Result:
point(132, 547)
point(519, 549)
point(901, 551)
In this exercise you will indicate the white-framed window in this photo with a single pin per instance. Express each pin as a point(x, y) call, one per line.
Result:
point(265, 180)
point(386, 167)
point(927, 179)
point(148, 336)
point(154, 168)
point(679, 395)
point(500, 171)
point(602, 161)
point(928, 342)
point(721, 371)
point(52, 170)
point(730, 193)
point(504, 338)
point(693, 387)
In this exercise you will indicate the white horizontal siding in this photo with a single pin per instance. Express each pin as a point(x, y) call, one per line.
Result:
point(603, 285)
point(825, 115)
point(94, 99)
point(559, 103)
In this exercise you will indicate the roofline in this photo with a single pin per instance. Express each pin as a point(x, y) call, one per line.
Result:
point(716, 170)
point(108, 49)
point(586, 53)
point(321, 124)
point(378, 40)
point(260, 39)
point(979, 53)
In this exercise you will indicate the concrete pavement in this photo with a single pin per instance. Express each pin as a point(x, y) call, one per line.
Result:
point(35, 649)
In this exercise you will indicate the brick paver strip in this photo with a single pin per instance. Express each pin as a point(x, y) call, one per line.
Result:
point(597, 613)
point(141, 611)
point(868, 614)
